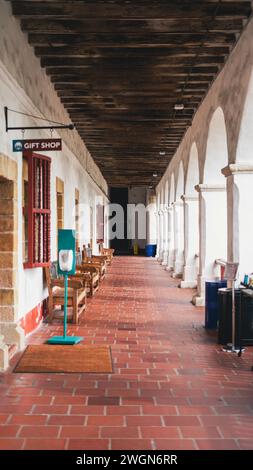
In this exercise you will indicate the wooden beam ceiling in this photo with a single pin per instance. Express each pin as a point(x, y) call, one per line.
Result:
point(120, 66)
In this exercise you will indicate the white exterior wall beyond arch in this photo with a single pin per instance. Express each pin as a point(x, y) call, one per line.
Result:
point(191, 222)
point(192, 176)
point(216, 149)
point(179, 224)
point(240, 193)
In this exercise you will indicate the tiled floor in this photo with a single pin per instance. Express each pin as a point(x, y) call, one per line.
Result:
point(172, 387)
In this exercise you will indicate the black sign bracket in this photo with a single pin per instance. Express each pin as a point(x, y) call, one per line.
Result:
point(54, 125)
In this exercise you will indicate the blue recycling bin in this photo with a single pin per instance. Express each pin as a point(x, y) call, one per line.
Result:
point(212, 303)
point(150, 250)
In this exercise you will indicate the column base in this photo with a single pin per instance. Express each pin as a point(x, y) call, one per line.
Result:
point(4, 354)
point(179, 269)
point(169, 268)
point(176, 275)
point(165, 258)
point(188, 284)
point(13, 334)
point(198, 301)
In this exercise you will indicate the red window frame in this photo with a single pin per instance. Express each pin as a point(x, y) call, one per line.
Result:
point(38, 210)
point(100, 223)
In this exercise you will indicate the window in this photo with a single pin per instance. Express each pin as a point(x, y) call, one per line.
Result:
point(77, 218)
point(91, 227)
point(36, 210)
point(100, 223)
point(59, 206)
point(60, 203)
point(25, 210)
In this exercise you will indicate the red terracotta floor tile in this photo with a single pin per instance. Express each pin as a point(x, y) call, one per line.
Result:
point(172, 386)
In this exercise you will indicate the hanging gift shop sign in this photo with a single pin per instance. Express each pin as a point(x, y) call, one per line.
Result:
point(40, 145)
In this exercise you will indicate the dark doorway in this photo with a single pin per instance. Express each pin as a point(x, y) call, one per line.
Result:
point(120, 196)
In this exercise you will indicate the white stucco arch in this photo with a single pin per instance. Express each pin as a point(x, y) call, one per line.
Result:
point(244, 152)
point(192, 176)
point(172, 189)
point(216, 149)
point(180, 181)
point(166, 192)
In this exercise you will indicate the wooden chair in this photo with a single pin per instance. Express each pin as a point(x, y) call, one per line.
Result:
point(108, 252)
point(97, 261)
point(76, 294)
point(92, 274)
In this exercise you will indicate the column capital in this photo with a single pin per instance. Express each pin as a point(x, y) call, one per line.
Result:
point(186, 198)
point(237, 168)
point(203, 188)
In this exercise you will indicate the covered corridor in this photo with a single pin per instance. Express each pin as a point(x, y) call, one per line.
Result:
point(126, 129)
point(172, 387)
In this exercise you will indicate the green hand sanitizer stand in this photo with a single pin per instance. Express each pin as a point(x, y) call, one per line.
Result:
point(66, 266)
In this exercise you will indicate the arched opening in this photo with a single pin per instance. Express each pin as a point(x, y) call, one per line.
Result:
point(171, 248)
point(180, 181)
point(172, 189)
point(192, 176)
point(245, 139)
point(191, 222)
point(240, 192)
point(213, 205)
point(165, 224)
point(179, 224)
point(216, 149)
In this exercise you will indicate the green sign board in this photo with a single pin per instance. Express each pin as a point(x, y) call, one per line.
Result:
point(66, 252)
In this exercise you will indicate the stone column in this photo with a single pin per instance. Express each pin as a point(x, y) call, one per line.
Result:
point(212, 234)
point(171, 238)
point(10, 331)
point(191, 241)
point(240, 226)
point(179, 238)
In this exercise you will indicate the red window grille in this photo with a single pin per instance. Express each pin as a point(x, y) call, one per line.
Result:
point(38, 210)
point(100, 223)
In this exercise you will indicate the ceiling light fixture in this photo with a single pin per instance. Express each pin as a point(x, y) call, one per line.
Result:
point(179, 106)
point(155, 175)
point(162, 154)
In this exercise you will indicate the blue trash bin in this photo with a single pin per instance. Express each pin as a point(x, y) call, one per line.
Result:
point(212, 304)
point(150, 250)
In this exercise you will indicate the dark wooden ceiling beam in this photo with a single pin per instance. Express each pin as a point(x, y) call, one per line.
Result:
point(156, 63)
point(168, 25)
point(119, 71)
point(129, 53)
point(119, 10)
point(120, 66)
point(132, 40)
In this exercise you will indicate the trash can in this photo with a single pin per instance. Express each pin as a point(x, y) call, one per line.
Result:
point(211, 304)
point(150, 250)
point(225, 316)
point(136, 249)
point(246, 319)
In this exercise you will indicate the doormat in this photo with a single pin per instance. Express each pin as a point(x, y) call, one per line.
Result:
point(48, 358)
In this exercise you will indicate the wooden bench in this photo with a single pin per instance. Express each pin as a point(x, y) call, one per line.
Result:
point(76, 294)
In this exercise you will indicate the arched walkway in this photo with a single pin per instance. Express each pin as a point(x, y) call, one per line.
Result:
point(171, 387)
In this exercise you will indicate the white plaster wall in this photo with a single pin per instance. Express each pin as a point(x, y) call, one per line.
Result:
point(25, 87)
point(19, 59)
